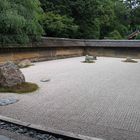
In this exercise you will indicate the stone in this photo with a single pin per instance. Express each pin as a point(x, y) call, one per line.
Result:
point(25, 131)
point(129, 59)
point(5, 138)
point(4, 102)
point(90, 59)
point(94, 57)
point(25, 63)
point(45, 80)
point(10, 75)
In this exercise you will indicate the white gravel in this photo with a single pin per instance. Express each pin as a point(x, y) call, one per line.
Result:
point(79, 96)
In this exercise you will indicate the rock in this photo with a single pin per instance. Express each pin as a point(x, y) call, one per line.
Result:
point(25, 131)
point(94, 57)
point(129, 59)
point(45, 80)
point(25, 63)
point(90, 59)
point(10, 75)
point(4, 102)
point(5, 138)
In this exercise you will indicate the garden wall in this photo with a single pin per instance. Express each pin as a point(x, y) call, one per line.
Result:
point(54, 48)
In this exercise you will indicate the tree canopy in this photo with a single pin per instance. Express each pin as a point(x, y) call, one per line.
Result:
point(22, 21)
point(19, 21)
point(95, 19)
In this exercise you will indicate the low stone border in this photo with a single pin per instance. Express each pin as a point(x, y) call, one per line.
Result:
point(55, 134)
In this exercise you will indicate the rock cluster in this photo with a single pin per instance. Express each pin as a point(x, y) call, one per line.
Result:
point(10, 75)
point(35, 134)
point(90, 59)
point(129, 59)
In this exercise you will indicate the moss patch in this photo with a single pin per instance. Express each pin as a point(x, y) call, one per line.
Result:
point(20, 88)
point(27, 66)
point(88, 62)
point(130, 61)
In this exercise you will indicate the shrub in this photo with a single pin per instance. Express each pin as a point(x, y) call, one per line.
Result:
point(56, 25)
point(19, 21)
point(115, 35)
point(138, 37)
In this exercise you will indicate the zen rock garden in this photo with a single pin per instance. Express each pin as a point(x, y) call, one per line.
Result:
point(82, 98)
point(13, 80)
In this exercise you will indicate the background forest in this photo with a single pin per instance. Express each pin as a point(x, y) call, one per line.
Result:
point(27, 20)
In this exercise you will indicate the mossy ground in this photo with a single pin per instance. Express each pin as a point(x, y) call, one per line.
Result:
point(27, 66)
point(130, 61)
point(88, 62)
point(20, 88)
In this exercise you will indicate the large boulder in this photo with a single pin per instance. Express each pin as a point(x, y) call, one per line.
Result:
point(25, 63)
point(10, 75)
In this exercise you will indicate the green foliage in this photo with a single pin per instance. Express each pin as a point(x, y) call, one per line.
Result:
point(106, 17)
point(134, 14)
point(94, 18)
point(114, 35)
point(138, 37)
point(85, 16)
point(19, 21)
point(89, 30)
point(59, 26)
point(123, 30)
point(122, 13)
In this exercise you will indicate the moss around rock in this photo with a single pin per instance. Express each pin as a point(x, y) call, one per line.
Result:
point(25, 87)
point(130, 60)
point(88, 61)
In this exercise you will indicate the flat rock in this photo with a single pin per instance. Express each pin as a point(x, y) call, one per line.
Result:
point(45, 80)
point(130, 60)
point(4, 102)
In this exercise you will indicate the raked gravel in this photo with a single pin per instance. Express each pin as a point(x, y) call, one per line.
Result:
point(101, 99)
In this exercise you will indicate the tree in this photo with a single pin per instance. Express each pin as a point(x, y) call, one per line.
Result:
point(106, 16)
point(85, 15)
point(134, 11)
point(82, 12)
point(19, 21)
point(97, 19)
point(138, 37)
point(59, 26)
point(114, 35)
